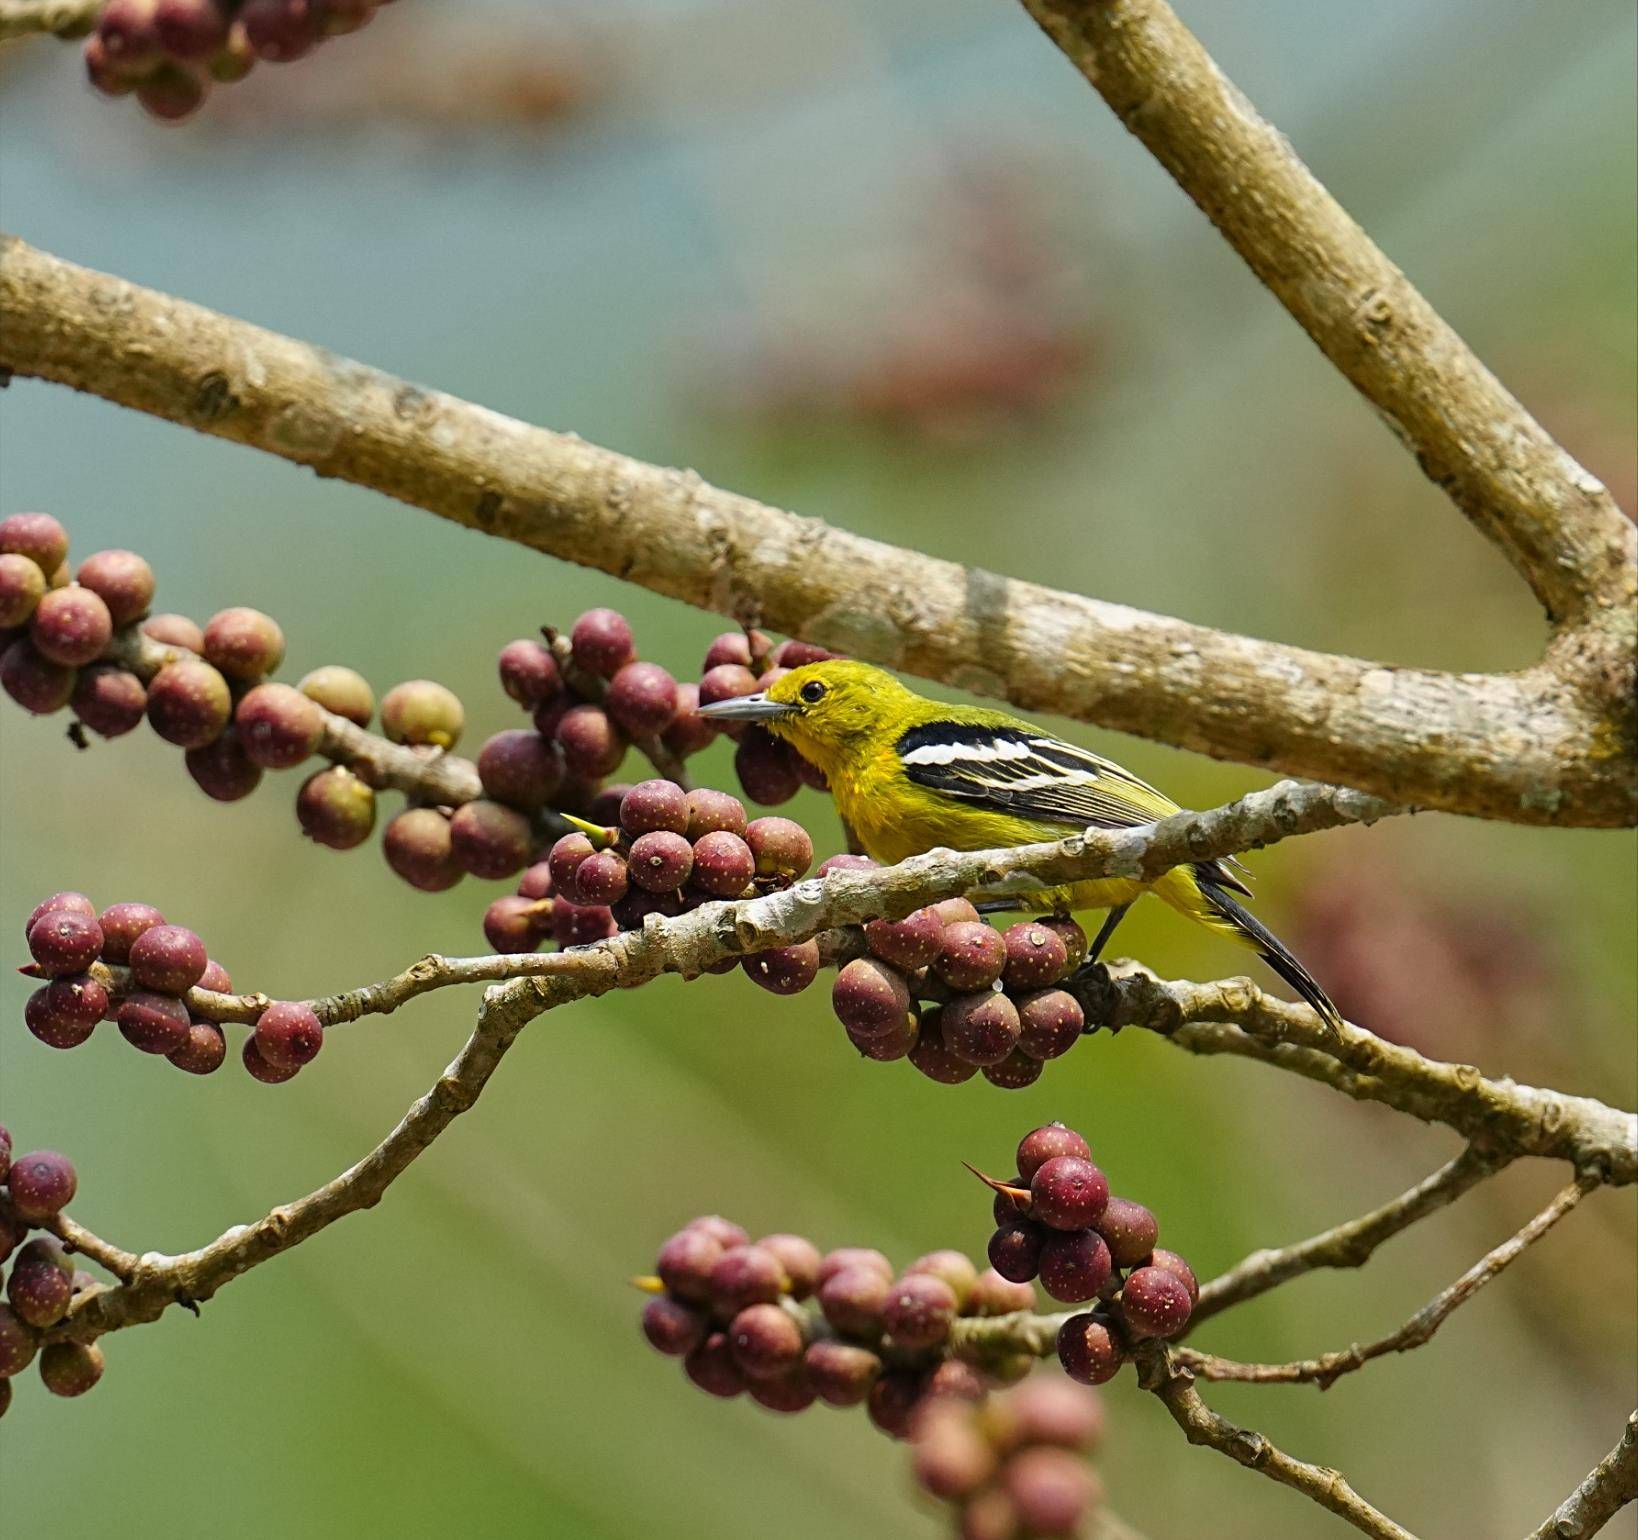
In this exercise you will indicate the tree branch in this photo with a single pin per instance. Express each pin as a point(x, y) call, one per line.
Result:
point(1609, 1487)
point(1346, 1245)
point(122, 1264)
point(159, 1281)
point(1160, 1371)
point(1419, 1329)
point(443, 780)
point(1167, 1375)
point(1235, 1016)
point(686, 944)
point(1517, 1119)
point(1530, 747)
point(1556, 523)
point(66, 19)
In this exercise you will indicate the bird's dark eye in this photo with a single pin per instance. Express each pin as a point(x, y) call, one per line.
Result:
point(813, 691)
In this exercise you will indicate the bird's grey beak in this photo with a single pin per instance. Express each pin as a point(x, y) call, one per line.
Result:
point(746, 708)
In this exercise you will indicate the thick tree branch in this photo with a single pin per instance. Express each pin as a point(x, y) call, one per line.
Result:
point(1160, 1372)
point(1542, 746)
point(1609, 1487)
point(63, 18)
point(1346, 1245)
point(1556, 522)
point(1418, 1330)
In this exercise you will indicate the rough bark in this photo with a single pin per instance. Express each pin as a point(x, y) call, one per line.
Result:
point(1550, 745)
point(1555, 521)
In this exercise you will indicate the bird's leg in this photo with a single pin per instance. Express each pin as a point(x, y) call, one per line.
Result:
point(1080, 982)
point(1116, 915)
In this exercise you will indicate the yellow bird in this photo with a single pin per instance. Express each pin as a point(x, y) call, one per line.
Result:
point(910, 774)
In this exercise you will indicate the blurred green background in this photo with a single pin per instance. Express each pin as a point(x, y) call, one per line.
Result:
point(796, 246)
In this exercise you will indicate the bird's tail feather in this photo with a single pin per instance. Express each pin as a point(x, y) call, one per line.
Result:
point(1225, 913)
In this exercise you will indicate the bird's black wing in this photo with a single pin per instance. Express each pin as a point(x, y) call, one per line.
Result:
point(1029, 775)
point(1034, 776)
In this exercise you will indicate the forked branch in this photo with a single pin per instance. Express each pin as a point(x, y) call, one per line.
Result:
point(1346, 1245)
point(1418, 1330)
point(1162, 1373)
point(1513, 1119)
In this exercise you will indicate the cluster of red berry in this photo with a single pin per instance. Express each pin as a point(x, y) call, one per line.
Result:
point(1015, 1466)
point(668, 852)
point(1057, 1221)
point(169, 53)
point(43, 1281)
point(86, 640)
point(742, 663)
point(55, 624)
point(126, 965)
point(957, 997)
point(789, 1326)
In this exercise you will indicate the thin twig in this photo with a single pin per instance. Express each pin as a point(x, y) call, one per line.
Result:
point(386, 995)
point(432, 972)
point(1419, 1329)
point(1346, 1245)
point(1160, 1372)
point(1022, 1332)
point(1609, 1486)
point(442, 780)
point(436, 778)
point(1529, 746)
point(159, 1281)
point(122, 1264)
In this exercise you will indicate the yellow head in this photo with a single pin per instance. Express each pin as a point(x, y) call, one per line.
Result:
point(827, 711)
